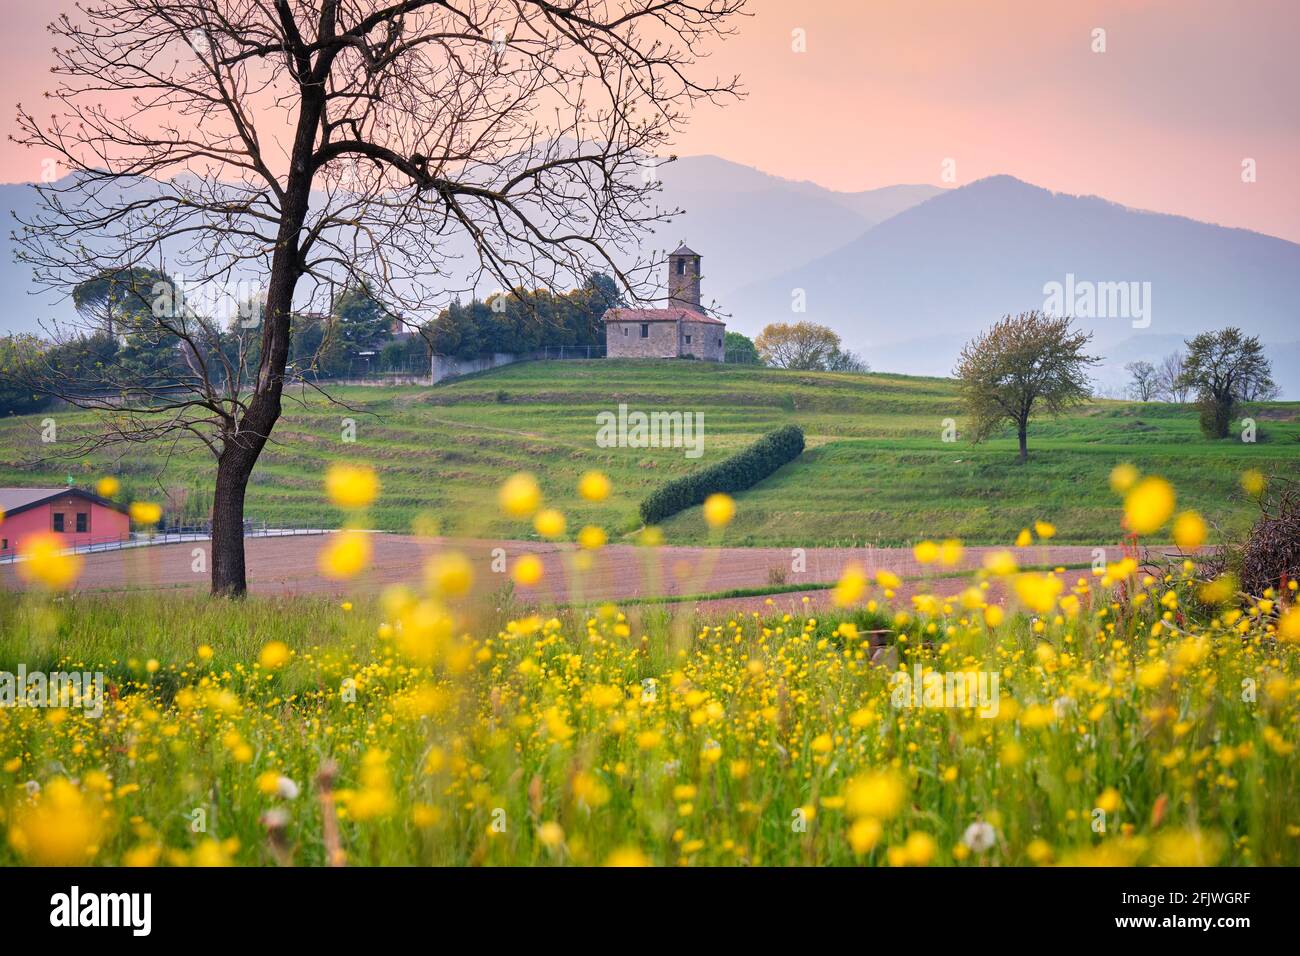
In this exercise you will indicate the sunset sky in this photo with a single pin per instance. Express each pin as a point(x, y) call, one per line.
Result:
point(887, 90)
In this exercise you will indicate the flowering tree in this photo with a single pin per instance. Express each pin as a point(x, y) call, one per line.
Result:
point(312, 145)
point(1023, 364)
point(805, 346)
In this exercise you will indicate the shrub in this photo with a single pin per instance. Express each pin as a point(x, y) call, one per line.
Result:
point(1271, 555)
point(742, 470)
point(1268, 555)
point(1215, 415)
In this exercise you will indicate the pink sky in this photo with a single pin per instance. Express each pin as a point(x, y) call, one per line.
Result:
point(890, 89)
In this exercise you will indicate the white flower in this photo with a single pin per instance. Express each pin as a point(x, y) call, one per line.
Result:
point(275, 819)
point(979, 836)
point(286, 788)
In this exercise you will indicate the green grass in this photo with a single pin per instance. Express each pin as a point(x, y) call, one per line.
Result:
point(764, 742)
point(876, 469)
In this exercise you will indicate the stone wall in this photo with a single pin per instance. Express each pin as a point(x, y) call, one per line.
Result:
point(623, 340)
point(446, 367)
point(707, 340)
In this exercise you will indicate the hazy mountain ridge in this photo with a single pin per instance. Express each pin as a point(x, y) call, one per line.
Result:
point(907, 274)
point(746, 223)
point(910, 291)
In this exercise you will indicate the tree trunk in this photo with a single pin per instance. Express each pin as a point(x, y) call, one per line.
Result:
point(1024, 442)
point(241, 449)
point(228, 577)
point(244, 443)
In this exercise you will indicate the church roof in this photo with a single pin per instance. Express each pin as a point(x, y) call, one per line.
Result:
point(684, 250)
point(659, 315)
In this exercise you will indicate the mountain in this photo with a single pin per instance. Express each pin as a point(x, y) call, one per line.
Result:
point(910, 291)
point(748, 224)
point(907, 274)
point(22, 305)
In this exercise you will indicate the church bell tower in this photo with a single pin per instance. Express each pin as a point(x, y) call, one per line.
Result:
point(684, 279)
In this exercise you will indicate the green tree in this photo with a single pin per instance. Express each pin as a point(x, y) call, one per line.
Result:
point(740, 350)
point(119, 300)
point(16, 397)
point(1223, 368)
point(1023, 364)
point(363, 320)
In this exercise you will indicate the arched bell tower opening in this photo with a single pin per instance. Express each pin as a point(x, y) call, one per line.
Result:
point(684, 278)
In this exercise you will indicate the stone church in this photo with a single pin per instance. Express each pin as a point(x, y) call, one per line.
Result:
point(680, 330)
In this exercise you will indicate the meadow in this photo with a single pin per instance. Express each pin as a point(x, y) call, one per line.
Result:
point(1133, 716)
point(876, 470)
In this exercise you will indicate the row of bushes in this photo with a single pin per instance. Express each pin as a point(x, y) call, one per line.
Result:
point(742, 470)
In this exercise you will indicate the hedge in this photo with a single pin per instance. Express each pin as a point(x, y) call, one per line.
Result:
point(742, 470)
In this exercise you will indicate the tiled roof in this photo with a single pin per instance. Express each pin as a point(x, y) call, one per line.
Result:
point(14, 500)
point(11, 498)
point(684, 250)
point(659, 315)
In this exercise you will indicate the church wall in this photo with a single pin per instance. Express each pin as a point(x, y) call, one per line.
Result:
point(706, 340)
point(661, 343)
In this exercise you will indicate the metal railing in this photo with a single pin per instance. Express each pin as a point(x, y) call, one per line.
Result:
point(175, 534)
point(569, 352)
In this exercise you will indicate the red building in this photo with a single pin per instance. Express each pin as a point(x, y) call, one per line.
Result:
point(78, 517)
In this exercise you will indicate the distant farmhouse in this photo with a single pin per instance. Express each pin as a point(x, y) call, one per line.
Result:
point(73, 516)
point(682, 330)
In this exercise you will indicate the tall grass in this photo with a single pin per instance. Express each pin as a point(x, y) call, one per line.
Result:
point(1126, 732)
point(876, 469)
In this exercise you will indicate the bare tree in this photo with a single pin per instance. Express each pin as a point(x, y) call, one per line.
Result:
point(846, 360)
point(1022, 363)
point(311, 145)
point(1143, 380)
point(1170, 374)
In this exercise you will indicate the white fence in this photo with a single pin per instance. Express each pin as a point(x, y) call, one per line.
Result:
point(142, 539)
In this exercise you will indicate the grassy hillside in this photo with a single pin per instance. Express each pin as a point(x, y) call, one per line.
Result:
point(876, 469)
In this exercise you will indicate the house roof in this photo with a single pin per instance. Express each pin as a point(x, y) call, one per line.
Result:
point(684, 250)
point(16, 500)
point(659, 315)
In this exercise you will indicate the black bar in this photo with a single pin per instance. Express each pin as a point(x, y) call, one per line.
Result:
point(932, 908)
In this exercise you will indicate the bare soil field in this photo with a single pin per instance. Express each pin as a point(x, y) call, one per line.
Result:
point(288, 565)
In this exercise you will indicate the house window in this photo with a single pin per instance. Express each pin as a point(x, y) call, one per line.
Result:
point(625, 331)
point(4, 544)
point(688, 340)
point(719, 342)
point(681, 267)
point(645, 330)
point(83, 522)
point(58, 521)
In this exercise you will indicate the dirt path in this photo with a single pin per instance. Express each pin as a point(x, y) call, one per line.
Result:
point(618, 572)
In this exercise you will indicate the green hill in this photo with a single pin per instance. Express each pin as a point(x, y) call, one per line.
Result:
point(876, 469)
